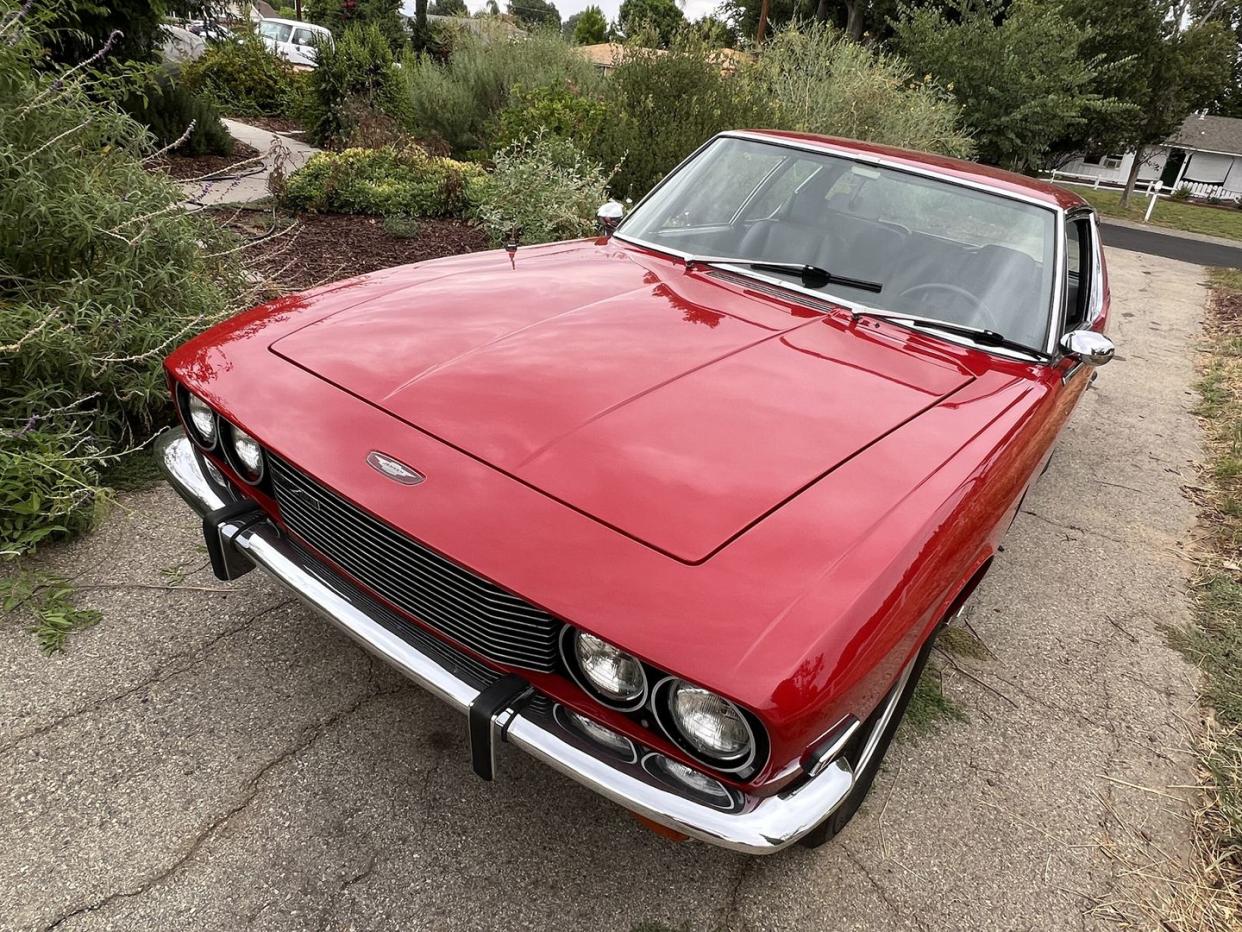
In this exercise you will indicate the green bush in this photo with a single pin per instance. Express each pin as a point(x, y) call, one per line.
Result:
point(1181, 194)
point(167, 107)
point(244, 78)
point(457, 102)
point(664, 106)
point(354, 74)
point(822, 82)
point(554, 110)
point(544, 188)
point(390, 181)
point(101, 274)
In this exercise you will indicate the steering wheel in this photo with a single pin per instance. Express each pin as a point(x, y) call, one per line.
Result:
point(981, 311)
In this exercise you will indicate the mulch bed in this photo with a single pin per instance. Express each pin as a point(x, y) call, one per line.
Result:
point(182, 167)
point(273, 124)
point(296, 252)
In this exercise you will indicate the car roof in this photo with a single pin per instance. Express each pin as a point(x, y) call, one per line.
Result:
point(294, 22)
point(956, 169)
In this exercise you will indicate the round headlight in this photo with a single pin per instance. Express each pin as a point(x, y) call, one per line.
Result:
point(248, 454)
point(713, 725)
point(614, 674)
point(202, 419)
point(711, 789)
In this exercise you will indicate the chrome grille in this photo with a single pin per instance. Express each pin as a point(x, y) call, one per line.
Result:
point(469, 609)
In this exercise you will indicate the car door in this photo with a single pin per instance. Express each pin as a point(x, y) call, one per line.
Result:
point(303, 42)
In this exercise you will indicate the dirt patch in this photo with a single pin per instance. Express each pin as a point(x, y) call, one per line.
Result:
point(184, 167)
point(296, 252)
point(273, 124)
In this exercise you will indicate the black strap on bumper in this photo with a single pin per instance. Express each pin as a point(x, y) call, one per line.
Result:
point(226, 562)
point(507, 692)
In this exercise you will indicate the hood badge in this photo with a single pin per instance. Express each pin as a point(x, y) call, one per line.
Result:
point(395, 470)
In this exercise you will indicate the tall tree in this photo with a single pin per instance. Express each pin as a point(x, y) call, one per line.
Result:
point(534, 14)
point(1229, 14)
point(664, 17)
point(590, 27)
point(715, 32)
point(337, 15)
point(1016, 71)
point(449, 8)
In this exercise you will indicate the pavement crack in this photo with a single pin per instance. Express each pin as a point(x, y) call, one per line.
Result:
point(733, 903)
point(880, 890)
point(181, 663)
point(1072, 527)
point(252, 787)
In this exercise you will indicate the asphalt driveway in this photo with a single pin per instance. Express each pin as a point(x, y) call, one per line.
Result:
point(213, 756)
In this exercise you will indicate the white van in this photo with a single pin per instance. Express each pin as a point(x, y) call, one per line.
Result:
point(292, 40)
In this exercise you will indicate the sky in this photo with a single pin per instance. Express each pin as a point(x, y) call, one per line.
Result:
point(693, 9)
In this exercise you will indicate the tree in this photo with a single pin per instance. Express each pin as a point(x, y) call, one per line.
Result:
point(1017, 72)
point(664, 17)
point(80, 28)
point(589, 27)
point(858, 17)
point(1229, 14)
point(385, 15)
point(715, 32)
point(449, 8)
point(1169, 64)
point(535, 13)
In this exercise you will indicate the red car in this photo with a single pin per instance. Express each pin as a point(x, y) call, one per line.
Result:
point(677, 510)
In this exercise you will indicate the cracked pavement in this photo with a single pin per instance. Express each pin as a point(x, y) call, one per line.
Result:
point(214, 756)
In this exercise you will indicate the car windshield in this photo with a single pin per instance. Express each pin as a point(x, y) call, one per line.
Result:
point(937, 249)
point(276, 31)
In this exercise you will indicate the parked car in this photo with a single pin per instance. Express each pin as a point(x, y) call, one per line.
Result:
point(293, 40)
point(677, 510)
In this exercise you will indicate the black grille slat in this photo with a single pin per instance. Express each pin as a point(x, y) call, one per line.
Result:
point(348, 543)
point(470, 609)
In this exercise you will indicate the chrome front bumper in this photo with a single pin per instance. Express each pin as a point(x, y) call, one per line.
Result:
point(760, 825)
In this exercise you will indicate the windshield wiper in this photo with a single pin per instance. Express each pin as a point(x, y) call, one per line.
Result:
point(812, 275)
point(979, 334)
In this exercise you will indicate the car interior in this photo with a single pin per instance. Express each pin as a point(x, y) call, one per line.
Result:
point(936, 252)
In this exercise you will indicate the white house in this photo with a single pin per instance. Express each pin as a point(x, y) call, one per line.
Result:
point(1205, 155)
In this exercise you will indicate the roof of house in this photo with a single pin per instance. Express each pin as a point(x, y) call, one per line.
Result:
point(1210, 134)
point(608, 55)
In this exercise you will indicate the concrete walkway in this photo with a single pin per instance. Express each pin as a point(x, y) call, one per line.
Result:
point(248, 183)
point(213, 756)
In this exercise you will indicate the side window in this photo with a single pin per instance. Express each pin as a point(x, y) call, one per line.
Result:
point(1078, 257)
point(302, 37)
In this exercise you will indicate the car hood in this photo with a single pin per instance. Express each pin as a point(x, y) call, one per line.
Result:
point(674, 407)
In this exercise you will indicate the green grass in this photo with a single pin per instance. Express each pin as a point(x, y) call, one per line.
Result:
point(1176, 215)
point(929, 707)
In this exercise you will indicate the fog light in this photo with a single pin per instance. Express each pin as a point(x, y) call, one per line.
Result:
point(614, 674)
point(249, 455)
point(600, 734)
point(713, 725)
point(671, 771)
point(203, 420)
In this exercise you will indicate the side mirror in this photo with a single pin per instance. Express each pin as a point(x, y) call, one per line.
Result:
point(1089, 347)
point(609, 215)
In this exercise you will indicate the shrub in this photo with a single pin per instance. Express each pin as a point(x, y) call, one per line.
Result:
point(458, 101)
point(664, 106)
point(394, 180)
point(821, 82)
point(557, 111)
point(401, 226)
point(1181, 194)
point(353, 74)
point(167, 107)
point(544, 187)
point(244, 78)
point(101, 274)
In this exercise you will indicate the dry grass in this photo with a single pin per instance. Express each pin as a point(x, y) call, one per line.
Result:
point(1204, 894)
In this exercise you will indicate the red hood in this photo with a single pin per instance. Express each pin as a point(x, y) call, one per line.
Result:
point(610, 380)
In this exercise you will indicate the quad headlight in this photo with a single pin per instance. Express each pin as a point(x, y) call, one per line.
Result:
point(202, 420)
point(245, 455)
point(616, 678)
point(712, 725)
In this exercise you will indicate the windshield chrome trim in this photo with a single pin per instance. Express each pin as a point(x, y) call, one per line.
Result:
point(1056, 311)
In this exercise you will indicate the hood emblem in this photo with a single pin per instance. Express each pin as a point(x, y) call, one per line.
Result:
point(395, 470)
